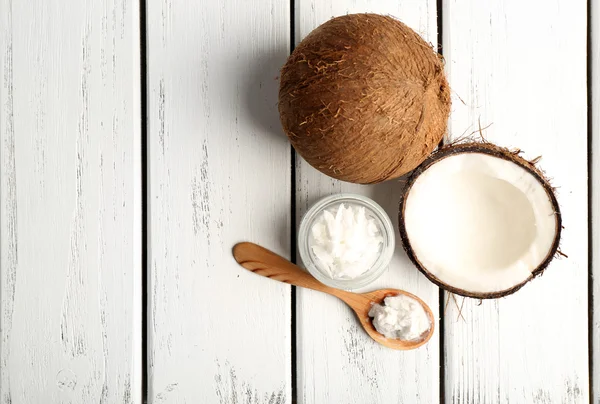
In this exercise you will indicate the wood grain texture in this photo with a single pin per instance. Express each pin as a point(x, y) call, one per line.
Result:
point(220, 173)
point(594, 71)
point(526, 76)
point(337, 361)
point(69, 212)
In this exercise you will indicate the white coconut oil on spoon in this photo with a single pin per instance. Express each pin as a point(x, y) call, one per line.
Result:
point(400, 317)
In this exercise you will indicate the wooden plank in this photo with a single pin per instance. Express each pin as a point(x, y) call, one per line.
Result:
point(594, 72)
point(521, 67)
point(70, 214)
point(220, 173)
point(337, 361)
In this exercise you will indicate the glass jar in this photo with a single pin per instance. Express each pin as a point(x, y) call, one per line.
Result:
point(372, 210)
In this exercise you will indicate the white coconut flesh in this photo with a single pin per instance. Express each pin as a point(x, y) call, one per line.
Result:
point(479, 223)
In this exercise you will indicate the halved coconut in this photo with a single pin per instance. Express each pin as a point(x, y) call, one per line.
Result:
point(479, 220)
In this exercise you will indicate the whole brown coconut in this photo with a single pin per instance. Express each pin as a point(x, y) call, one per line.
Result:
point(363, 98)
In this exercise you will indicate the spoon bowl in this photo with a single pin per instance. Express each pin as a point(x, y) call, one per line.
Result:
point(362, 307)
point(266, 263)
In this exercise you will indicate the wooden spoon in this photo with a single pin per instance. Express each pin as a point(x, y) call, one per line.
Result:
point(266, 263)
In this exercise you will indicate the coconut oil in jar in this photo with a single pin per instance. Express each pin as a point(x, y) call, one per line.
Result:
point(346, 241)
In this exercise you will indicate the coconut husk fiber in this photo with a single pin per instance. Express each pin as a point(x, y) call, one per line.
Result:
point(364, 99)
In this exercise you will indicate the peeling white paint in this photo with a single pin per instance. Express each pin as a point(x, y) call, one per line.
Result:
point(532, 346)
point(69, 122)
point(337, 361)
point(219, 174)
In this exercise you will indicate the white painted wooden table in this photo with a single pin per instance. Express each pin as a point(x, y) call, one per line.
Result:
point(140, 141)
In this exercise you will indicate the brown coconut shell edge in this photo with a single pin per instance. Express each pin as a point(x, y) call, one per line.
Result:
point(499, 152)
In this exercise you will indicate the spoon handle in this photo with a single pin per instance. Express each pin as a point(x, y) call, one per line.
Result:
point(266, 263)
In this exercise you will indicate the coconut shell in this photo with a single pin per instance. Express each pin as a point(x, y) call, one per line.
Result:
point(364, 99)
point(499, 152)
